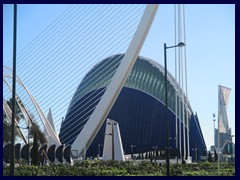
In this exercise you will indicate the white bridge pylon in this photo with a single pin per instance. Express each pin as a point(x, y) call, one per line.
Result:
point(113, 149)
point(92, 126)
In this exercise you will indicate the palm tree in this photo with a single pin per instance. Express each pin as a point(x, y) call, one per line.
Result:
point(7, 129)
point(6, 123)
point(19, 114)
point(36, 129)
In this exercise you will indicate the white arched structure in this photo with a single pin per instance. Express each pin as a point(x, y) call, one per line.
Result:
point(49, 130)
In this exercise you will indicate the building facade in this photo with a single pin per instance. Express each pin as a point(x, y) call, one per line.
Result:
point(139, 110)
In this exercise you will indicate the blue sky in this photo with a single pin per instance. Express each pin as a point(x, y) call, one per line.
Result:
point(210, 39)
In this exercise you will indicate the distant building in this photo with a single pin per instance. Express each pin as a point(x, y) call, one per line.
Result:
point(139, 110)
point(223, 128)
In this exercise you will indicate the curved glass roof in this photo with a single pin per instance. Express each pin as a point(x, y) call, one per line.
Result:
point(146, 76)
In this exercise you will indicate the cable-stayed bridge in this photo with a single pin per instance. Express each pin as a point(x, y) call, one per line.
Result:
point(53, 64)
point(51, 67)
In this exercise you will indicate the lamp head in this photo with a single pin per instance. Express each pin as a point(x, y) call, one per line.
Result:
point(181, 44)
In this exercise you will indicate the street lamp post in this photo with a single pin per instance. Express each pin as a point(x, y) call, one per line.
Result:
point(196, 154)
point(195, 149)
point(155, 150)
point(99, 145)
point(12, 160)
point(231, 147)
point(180, 44)
point(206, 155)
point(132, 146)
point(172, 139)
point(214, 129)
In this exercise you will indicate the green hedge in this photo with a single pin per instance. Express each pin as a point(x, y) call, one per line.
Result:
point(118, 168)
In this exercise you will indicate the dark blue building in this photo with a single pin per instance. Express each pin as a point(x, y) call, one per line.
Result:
point(139, 109)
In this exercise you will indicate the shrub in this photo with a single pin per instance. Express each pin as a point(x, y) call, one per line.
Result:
point(119, 168)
